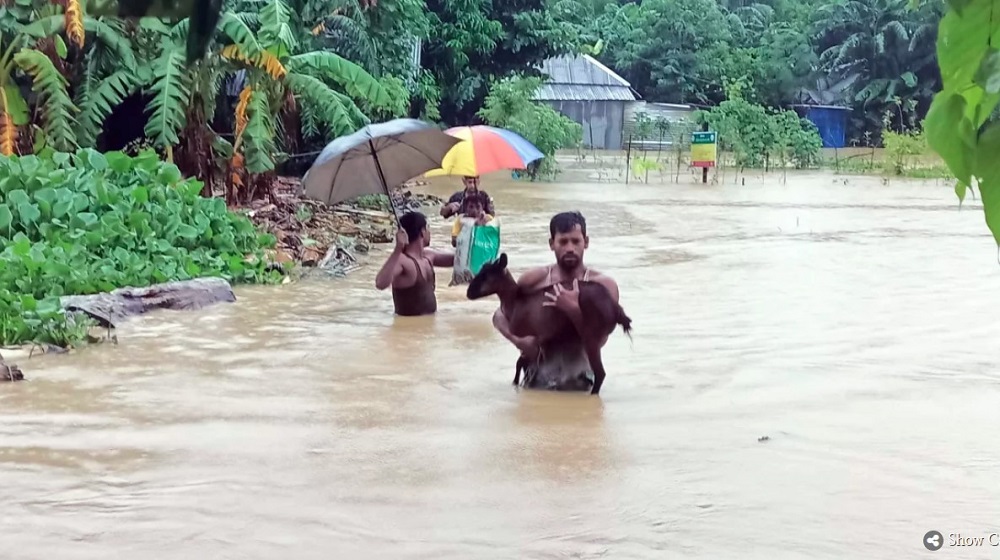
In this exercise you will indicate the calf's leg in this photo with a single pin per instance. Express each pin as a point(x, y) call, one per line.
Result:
point(593, 348)
point(520, 365)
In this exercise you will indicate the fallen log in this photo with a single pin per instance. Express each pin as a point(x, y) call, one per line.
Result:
point(110, 308)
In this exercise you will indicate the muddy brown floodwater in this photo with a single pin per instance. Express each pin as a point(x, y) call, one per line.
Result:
point(855, 325)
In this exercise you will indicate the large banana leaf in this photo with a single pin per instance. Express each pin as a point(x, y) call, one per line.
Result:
point(56, 106)
point(353, 78)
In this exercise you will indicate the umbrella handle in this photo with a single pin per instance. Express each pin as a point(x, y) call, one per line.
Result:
point(385, 187)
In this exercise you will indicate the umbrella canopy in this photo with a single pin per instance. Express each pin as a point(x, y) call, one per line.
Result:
point(485, 149)
point(374, 158)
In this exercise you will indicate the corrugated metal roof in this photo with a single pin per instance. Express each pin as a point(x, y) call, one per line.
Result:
point(557, 92)
point(582, 78)
point(581, 70)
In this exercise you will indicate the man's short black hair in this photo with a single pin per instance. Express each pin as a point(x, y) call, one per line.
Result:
point(564, 222)
point(413, 223)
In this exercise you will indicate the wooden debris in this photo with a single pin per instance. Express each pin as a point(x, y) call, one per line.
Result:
point(309, 232)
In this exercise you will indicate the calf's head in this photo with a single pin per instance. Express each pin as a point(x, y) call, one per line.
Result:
point(493, 278)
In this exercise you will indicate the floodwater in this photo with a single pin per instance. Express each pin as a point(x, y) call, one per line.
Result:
point(854, 325)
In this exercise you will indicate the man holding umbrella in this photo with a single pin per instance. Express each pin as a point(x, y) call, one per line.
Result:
point(410, 268)
point(367, 162)
point(454, 204)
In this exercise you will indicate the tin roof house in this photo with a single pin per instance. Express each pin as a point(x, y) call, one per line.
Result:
point(591, 94)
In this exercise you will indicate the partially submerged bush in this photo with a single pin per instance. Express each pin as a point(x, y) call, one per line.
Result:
point(902, 150)
point(89, 222)
point(761, 137)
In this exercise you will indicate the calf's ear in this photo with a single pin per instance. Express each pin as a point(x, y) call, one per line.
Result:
point(503, 260)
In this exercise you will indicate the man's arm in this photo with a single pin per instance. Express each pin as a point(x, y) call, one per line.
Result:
point(450, 208)
point(441, 258)
point(528, 345)
point(609, 283)
point(503, 326)
point(391, 269)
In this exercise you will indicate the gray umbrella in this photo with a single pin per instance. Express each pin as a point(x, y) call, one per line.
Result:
point(374, 158)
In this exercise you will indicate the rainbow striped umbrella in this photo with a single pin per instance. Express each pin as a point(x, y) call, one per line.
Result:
point(485, 149)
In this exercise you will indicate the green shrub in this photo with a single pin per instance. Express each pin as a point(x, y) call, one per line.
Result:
point(510, 104)
point(89, 222)
point(761, 137)
point(902, 150)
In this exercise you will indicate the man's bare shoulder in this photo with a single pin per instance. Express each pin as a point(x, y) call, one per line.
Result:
point(604, 280)
point(533, 279)
point(598, 276)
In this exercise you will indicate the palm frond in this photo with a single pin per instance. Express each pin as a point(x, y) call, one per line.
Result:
point(171, 91)
point(358, 83)
point(324, 104)
point(276, 34)
point(240, 33)
point(73, 17)
point(259, 135)
point(309, 121)
point(265, 60)
point(350, 38)
point(14, 114)
point(99, 103)
point(114, 38)
point(56, 106)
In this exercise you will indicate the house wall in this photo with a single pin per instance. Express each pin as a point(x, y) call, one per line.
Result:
point(679, 118)
point(601, 119)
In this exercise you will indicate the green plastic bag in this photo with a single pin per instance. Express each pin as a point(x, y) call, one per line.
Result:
point(485, 245)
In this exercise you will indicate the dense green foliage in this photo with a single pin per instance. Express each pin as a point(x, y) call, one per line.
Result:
point(509, 105)
point(476, 42)
point(959, 125)
point(869, 55)
point(761, 137)
point(87, 223)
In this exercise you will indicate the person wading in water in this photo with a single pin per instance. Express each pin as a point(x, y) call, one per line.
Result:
point(568, 240)
point(454, 204)
point(410, 268)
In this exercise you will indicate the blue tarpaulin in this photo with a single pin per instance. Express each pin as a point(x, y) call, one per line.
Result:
point(830, 120)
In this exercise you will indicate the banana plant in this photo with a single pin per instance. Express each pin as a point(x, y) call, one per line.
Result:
point(35, 41)
point(203, 17)
point(320, 87)
point(184, 97)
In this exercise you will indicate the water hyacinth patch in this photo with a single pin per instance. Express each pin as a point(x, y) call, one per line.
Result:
point(89, 222)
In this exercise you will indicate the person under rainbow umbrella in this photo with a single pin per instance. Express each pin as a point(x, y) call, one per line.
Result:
point(483, 149)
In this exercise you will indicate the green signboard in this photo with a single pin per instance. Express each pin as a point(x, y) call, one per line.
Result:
point(703, 149)
point(703, 137)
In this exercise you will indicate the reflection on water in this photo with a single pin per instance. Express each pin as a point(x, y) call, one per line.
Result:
point(850, 323)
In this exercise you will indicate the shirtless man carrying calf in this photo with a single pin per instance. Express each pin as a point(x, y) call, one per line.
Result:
point(568, 240)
